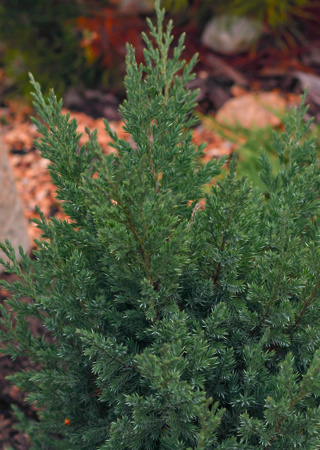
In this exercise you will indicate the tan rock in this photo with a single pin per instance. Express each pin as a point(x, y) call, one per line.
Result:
point(13, 225)
point(253, 110)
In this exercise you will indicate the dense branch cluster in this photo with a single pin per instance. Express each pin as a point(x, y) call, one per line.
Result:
point(171, 326)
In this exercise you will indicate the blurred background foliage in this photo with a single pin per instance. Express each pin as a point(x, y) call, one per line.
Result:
point(275, 13)
point(249, 144)
point(42, 37)
point(250, 141)
point(82, 42)
point(39, 37)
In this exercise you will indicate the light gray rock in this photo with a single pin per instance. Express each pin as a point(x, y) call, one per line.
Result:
point(312, 83)
point(13, 225)
point(227, 34)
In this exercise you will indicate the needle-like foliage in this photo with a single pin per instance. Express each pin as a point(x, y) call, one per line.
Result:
point(168, 326)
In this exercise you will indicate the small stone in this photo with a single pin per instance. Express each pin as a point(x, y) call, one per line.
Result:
point(253, 110)
point(228, 35)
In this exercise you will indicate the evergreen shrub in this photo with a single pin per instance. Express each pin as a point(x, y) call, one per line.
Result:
point(169, 326)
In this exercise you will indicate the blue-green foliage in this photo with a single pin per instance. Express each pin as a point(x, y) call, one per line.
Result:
point(167, 326)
